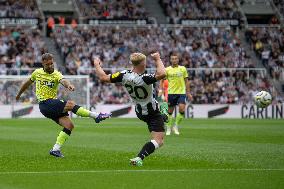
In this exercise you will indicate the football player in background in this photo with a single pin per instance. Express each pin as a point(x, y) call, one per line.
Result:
point(178, 91)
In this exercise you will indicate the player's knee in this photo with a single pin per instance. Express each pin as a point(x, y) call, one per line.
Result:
point(71, 103)
point(70, 126)
point(158, 142)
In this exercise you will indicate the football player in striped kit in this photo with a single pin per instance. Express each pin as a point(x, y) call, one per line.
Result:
point(139, 85)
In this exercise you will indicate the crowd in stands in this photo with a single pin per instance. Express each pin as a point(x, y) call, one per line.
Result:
point(207, 87)
point(225, 87)
point(109, 9)
point(207, 47)
point(268, 43)
point(280, 5)
point(200, 9)
point(198, 47)
point(19, 8)
point(20, 48)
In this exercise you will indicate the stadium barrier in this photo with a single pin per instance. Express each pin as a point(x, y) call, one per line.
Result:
point(244, 111)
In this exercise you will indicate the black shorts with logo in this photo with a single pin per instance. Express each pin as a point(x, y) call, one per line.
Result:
point(53, 109)
point(154, 120)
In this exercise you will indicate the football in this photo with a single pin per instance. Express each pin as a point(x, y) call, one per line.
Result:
point(262, 99)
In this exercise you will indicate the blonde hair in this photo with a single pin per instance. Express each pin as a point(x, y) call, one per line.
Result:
point(137, 58)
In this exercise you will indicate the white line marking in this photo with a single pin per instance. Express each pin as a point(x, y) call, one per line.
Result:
point(136, 170)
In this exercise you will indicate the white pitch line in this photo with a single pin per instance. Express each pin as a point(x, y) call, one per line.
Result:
point(136, 170)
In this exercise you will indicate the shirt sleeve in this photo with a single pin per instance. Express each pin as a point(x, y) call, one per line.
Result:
point(33, 76)
point(59, 77)
point(185, 74)
point(149, 79)
point(116, 77)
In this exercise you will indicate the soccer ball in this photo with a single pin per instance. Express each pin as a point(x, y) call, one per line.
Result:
point(262, 99)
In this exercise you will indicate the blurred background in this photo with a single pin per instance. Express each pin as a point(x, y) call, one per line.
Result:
point(231, 49)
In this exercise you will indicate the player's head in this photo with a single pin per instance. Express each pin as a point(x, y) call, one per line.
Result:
point(138, 61)
point(47, 62)
point(174, 58)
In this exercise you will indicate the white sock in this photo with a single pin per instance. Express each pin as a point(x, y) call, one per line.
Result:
point(56, 147)
point(155, 144)
point(94, 114)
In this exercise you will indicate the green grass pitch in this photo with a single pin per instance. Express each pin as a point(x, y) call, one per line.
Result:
point(209, 154)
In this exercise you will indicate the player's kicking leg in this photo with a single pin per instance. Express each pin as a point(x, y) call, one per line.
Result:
point(156, 127)
point(80, 111)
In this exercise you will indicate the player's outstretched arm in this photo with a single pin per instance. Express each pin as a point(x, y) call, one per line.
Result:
point(100, 72)
point(161, 71)
point(67, 84)
point(161, 88)
point(23, 88)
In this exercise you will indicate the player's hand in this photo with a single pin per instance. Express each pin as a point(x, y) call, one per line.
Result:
point(71, 88)
point(156, 56)
point(18, 97)
point(97, 62)
point(189, 97)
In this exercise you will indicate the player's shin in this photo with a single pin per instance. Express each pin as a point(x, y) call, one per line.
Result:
point(171, 120)
point(80, 111)
point(179, 118)
point(148, 149)
point(61, 138)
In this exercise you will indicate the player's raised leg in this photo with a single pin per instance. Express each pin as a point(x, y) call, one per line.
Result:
point(68, 126)
point(80, 111)
point(156, 142)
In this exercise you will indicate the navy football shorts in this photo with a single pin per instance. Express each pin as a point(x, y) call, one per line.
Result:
point(175, 99)
point(53, 109)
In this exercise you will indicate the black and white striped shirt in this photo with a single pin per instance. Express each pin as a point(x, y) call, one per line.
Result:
point(140, 88)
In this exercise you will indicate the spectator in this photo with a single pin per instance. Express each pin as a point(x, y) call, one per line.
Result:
point(20, 48)
point(19, 8)
point(200, 9)
point(118, 9)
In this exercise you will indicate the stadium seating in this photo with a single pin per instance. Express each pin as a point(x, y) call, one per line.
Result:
point(280, 5)
point(112, 9)
point(225, 87)
point(199, 47)
point(199, 9)
point(20, 8)
point(20, 48)
point(205, 47)
point(268, 45)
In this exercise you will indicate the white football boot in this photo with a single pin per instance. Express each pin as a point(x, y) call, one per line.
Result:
point(175, 130)
point(168, 132)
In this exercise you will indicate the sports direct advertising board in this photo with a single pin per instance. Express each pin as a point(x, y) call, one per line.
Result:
point(246, 111)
